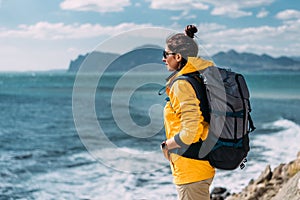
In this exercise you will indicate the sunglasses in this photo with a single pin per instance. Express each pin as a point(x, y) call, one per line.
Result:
point(165, 54)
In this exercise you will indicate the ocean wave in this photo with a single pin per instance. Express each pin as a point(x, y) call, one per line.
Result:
point(285, 141)
point(279, 125)
point(279, 145)
point(130, 160)
point(282, 123)
point(96, 181)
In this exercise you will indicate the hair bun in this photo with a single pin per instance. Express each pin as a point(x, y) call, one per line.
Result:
point(190, 30)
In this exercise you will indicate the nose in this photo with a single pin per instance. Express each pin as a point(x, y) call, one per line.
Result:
point(163, 59)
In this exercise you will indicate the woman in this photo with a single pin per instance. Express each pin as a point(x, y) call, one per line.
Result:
point(184, 123)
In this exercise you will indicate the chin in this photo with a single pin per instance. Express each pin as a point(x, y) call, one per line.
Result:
point(170, 69)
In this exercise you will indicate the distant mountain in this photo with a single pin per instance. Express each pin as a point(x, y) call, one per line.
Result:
point(297, 58)
point(114, 62)
point(253, 62)
point(153, 54)
point(94, 59)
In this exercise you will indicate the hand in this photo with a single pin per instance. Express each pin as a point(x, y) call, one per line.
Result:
point(166, 154)
point(165, 150)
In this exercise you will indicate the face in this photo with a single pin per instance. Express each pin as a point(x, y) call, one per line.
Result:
point(171, 60)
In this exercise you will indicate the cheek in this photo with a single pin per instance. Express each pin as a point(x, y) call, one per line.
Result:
point(172, 64)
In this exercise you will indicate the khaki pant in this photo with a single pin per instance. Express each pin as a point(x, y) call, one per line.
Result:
point(194, 191)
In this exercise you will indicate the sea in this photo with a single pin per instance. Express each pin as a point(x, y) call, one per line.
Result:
point(97, 136)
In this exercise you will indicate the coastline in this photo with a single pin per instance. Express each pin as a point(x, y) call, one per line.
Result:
point(281, 183)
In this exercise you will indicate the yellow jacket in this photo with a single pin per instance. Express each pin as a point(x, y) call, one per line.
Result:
point(184, 121)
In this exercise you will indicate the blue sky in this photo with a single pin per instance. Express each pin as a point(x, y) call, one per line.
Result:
point(47, 34)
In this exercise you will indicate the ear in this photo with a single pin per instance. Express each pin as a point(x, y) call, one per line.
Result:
point(178, 57)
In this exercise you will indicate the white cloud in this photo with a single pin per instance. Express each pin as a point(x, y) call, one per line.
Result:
point(206, 28)
point(52, 45)
point(45, 45)
point(230, 8)
point(262, 13)
point(288, 14)
point(57, 31)
point(184, 15)
point(236, 8)
point(28, 55)
point(276, 41)
point(101, 6)
point(230, 11)
point(178, 5)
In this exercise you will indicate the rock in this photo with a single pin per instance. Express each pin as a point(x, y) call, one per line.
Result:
point(219, 190)
point(290, 190)
point(282, 183)
point(266, 175)
point(294, 166)
point(219, 193)
point(278, 172)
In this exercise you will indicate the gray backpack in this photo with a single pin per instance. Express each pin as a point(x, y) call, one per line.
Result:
point(225, 105)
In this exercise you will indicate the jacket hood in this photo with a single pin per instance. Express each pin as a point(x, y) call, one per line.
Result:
point(195, 64)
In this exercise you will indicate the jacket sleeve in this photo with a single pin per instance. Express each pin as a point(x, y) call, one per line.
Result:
point(186, 105)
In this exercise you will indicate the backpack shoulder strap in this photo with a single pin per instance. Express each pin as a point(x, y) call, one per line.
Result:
point(198, 85)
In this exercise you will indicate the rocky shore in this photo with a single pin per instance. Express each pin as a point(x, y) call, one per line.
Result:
point(283, 183)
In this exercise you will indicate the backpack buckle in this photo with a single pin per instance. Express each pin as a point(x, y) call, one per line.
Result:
point(243, 164)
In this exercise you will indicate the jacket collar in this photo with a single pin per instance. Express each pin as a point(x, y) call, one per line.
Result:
point(193, 64)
